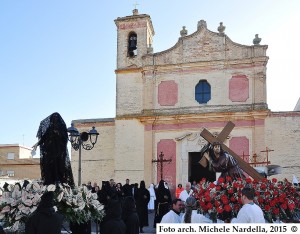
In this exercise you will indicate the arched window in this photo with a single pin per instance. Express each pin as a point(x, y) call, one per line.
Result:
point(132, 44)
point(202, 92)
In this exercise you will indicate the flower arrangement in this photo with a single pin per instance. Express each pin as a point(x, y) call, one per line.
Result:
point(279, 200)
point(17, 203)
point(79, 205)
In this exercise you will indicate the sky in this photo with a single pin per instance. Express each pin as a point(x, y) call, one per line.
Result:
point(60, 56)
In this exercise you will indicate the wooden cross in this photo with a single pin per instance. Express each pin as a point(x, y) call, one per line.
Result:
point(221, 138)
point(135, 4)
point(267, 151)
point(161, 160)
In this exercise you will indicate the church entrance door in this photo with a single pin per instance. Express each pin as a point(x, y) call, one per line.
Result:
point(196, 171)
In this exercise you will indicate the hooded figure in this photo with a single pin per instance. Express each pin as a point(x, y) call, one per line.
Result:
point(130, 216)
point(113, 222)
point(163, 200)
point(143, 198)
point(45, 220)
point(54, 161)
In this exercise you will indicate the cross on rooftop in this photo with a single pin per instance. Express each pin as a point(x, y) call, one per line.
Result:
point(135, 4)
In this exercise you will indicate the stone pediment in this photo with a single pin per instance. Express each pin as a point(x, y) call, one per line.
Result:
point(205, 46)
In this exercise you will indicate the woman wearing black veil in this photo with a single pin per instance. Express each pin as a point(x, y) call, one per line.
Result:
point(54, 161)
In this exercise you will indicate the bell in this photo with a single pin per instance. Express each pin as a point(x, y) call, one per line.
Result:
point(132, 43)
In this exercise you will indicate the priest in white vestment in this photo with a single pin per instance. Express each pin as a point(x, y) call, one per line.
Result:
point(173, 216)
point(250, 212)
point(187, 192)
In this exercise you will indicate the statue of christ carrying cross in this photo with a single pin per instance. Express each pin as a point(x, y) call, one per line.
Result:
point(218, 160)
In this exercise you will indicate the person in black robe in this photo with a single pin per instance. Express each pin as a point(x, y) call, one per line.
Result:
point(120, 192)
point(135, 188)
point(113, 223)
point(104, 195)
point(127, 189)
point(44, 220)
point(54, 158)
point(142, 200)
point(130, 216)
point(163, 201)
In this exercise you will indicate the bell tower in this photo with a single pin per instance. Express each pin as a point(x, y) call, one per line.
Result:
point(134, 39)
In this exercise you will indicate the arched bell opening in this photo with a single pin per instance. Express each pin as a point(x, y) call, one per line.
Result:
point(132, 44)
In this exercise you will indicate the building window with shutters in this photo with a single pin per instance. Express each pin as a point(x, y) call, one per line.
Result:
point(203, 92)
point(11, 173)
point(11, 156)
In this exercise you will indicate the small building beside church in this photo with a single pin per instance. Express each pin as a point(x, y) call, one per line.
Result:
point(165, 99)
point(16, 163)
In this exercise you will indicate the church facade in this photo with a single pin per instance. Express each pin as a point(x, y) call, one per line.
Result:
point(165, 99)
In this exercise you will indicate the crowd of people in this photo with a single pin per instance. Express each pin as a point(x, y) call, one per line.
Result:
point(127, 206)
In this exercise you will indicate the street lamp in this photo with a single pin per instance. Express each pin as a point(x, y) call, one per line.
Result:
point(79, 140)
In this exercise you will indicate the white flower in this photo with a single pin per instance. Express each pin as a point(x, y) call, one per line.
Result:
point(6, 195)
point(60, 196)
point(89, 194)
point(10, 187)
point(101, 206)
point(74, 201)
point(28, 202)
point(79, 195)
point(94, 196)
point(43, 188)
point(81, 205)
point(13, 203)
point(69, 199)
point(26, 210)
point(20, 207)
point(36, 186)
point(24, 195)
point(66, 191)
point(14, 194)
point(5, 209)
point(95, 203)
point(51, 188)
point(10, 200)
point(36, 199)
point(85, 189)
point(19, 215)
point(31, 195)
point(15, 227)
point(28, 187)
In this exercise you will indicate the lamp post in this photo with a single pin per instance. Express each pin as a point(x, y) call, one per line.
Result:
point(86, 140)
